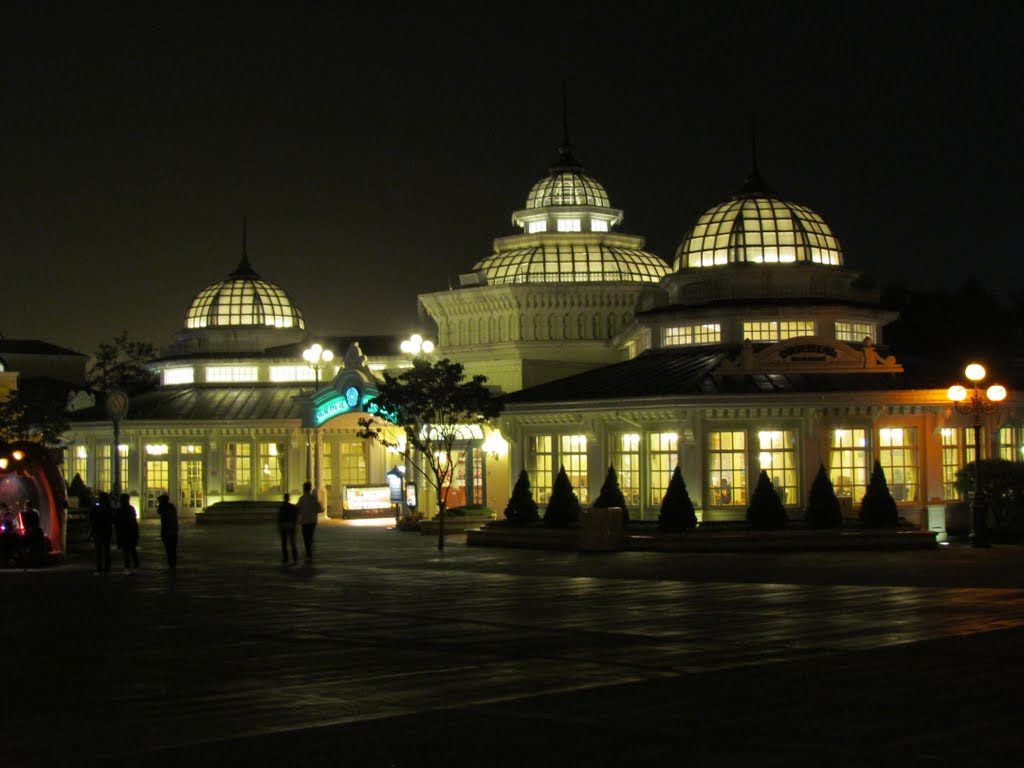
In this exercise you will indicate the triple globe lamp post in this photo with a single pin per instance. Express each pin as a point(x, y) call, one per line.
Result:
point(318, 359)
point(973, 402)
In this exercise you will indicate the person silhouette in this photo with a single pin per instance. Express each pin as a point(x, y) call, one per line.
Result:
point(286, 516)
point(168, 529)
point(101, 519)
point(126, 525)
point(309, 514)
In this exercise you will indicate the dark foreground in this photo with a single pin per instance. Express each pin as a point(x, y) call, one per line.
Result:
point(386, 653)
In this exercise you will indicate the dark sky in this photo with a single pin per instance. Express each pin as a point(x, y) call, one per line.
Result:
point(377, 149)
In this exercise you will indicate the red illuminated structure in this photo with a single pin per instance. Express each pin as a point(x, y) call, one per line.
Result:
point(30, 479)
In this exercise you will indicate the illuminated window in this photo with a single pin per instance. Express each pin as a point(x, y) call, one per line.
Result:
point(567, 262)
point(573, 456)
point(237, 469)
point(190, 476)
point(540, 466)
point(231, 373)
point(291, 373)
point(568, 225)
point(857, 332)
point(897, 453)
point(78, 463)
point(179, 375)
point(777, 456)
point(777, 330)
point(271, 467)
point(157, 480)
point(353, 463)
point(537, 226)
point(663, 458)
point(567, 188)
point(598, 225)
point(1010, 444)
point(104, 470)
point(727, 468)
point(245, 302)
point(957, 452)
point(680, 335)
point(626, 460)
point(848, 467)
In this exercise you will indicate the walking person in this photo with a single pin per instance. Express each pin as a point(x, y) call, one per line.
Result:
point(126, 525)
point(101, 521)
point(309, 514)
point(168, 529)
point(286, 516)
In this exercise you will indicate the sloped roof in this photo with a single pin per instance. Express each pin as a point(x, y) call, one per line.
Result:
point(34, 347)
point(210, 404)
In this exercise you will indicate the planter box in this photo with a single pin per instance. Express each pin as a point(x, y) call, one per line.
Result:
point(454, 523)
point(567, 539)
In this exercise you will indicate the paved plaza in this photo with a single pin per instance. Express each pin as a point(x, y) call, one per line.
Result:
point(387, 653)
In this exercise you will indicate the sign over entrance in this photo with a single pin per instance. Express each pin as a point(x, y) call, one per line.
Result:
point(810, 354)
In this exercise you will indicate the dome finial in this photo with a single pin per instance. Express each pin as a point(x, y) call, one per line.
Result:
point(565, 156)
point(754, 186)
point(244, 268)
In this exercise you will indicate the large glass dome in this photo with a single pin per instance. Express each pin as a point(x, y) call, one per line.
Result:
point(567, 186)
point(243, 300)
point(560, 261)
point(756, 227)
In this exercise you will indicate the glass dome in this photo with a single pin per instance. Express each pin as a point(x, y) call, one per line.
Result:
point(572, 262)
point(756, 227)
point(567, 186)
point(243, 300)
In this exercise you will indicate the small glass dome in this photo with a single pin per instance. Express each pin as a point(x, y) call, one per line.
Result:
point(572, 262)
point(243, 300)
point(756, 227)
point(567, 186)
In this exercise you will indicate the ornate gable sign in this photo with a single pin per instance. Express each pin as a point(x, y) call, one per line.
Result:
point(810, 354)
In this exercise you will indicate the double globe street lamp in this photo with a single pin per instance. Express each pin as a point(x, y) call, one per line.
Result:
point(318, 359)
point(974, 402)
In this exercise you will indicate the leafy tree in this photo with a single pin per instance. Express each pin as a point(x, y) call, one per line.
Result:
point(677, 512)
point(425, 414)
point(41, 420)
point(1002, 483)
point(823, 510)
point(611, 494)
point(122, 364)
point(878, 507)
point(563, 510)
point(521, 508)
point(766, 511)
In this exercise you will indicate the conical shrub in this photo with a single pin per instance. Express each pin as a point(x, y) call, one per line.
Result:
point(563, 510)
point(766, 512)
point(611, 493)
point(521, 508)
point(823, 510)
point(878, 508)
point(677, 512)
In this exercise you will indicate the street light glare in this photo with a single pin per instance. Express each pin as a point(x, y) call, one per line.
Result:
point(996, 392)
point(975, 372)
point(957, 393)
point(428, 346)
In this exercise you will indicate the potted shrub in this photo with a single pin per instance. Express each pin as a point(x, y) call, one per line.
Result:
point(823, 510)
point(878, 509)
point(677, 512)
point(766, 512)
point(563, 510)
point(521, 508)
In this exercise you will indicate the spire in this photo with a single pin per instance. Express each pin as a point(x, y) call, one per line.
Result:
point(565, 156)
point(754, 186)
point(244, 268)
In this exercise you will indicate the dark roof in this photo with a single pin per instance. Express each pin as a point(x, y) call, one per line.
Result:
point(749, 302)
point(34, 347)
point(209, 404)
point(666, 373)
point(371, 345)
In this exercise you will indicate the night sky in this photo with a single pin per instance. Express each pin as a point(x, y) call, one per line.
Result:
point(377, 149)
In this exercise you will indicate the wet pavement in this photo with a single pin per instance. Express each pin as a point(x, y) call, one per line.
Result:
point(385, 652)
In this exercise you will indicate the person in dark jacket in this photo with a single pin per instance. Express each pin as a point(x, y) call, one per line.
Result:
point(287, 514)
point(168, 528)
point(101, 520)
point(126, 525)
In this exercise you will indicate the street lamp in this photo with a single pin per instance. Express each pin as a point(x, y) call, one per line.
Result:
point(975, 403)
point(318, 359)
point(416, 345)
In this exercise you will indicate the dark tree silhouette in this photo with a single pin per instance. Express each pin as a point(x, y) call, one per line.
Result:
point(611, 494)
point(521, 508)
point(677, 512)
point(878, 508)
point(823, 510)
point(766, 511)
point(563, 510)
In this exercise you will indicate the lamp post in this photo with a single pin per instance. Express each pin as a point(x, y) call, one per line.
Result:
point(975, 403)
point(318, 359)
point(417, 345)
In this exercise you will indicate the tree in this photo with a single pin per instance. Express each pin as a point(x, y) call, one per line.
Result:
point(122, 364)
point(677, 512)
point(766, 511)
point(41, 420)
point(521, 508)
point(563, 510)
point(878, 508)
point(611, 494)
point(823, 510)
point(426, 415)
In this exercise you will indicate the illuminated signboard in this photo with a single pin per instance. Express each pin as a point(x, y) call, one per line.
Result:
point(367, 497)
point(350, 400)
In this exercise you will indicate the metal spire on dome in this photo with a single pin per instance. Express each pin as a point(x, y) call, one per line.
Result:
point(244, 268)
point(754, 186)
point(565, 156)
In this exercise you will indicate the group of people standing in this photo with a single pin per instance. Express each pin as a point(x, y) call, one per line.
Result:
point(306, 513)
point(105, 522)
